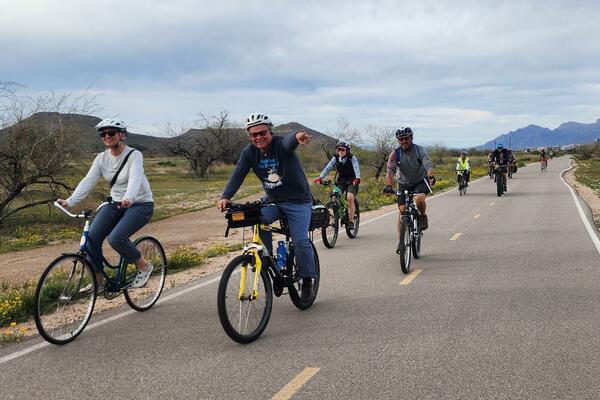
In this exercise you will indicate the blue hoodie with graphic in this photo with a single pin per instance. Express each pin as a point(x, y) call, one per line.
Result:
point(278, 169)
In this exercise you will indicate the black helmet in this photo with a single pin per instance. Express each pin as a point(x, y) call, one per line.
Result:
point(343, 143)
point(403, 132)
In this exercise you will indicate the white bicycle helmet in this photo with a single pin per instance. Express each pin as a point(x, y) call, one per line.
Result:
point(111, 123)
point(257, 119)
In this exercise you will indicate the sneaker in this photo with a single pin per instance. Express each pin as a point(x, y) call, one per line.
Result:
point(308, 288)
point(141, 278)
point(88, 288)
point(350, 225)
point(422, 222)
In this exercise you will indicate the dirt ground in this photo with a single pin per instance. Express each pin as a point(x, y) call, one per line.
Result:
point(198, 229)
point(586, 193)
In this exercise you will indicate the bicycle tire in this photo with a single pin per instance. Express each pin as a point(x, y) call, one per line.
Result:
point(405, 247)
point(227, 291)
point(329, 234)
point(499, 185)
point(416, 244)
point(142, 299)
point(48, 320)
point(294, 282)
point(353, 232)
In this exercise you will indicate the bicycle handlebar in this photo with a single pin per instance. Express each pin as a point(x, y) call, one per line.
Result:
point(86, 213)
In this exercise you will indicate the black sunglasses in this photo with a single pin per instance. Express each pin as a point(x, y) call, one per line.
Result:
point(110, 133)
point(254, 135)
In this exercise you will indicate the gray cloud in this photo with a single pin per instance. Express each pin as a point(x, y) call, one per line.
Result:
point(459, 72)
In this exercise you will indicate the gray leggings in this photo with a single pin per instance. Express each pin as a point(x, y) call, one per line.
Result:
point(118, 224)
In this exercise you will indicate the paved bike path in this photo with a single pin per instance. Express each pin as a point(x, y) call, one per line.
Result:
point(507, 310)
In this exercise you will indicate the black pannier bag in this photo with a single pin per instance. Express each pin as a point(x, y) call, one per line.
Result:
point(244, 215)
point(319, 217)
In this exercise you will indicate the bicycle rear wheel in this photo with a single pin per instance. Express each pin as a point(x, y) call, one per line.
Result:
point(244, 318)
point(405, 245)
point(65, 298)
point(329, 233)
point(143, 298)
point(353, 232)
point(295, 282)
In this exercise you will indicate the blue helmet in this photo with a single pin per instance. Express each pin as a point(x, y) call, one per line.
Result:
point(499, 146)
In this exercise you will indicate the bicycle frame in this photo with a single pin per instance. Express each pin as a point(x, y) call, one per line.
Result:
point(254, 249)
point(336, 192)
point(338, 197)
point(116, 283)
point(411, 208)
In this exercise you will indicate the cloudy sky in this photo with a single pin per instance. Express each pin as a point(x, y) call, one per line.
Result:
point(458, 72)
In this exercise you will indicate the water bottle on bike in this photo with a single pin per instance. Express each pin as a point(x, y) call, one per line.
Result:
point(281, 258)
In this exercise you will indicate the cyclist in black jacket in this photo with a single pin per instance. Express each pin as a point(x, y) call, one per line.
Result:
point(348, 176)
point(501, 156)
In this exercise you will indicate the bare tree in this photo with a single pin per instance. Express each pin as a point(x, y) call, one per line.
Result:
point(436, 152)
point(218, 139)
point(383, 143)
point(35, 147)
point(343, 131)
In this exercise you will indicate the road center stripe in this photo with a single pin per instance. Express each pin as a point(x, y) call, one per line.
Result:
point(410, 277)
point(477, 216)
point(456, 236)
point(295, 384)
point(492, 204)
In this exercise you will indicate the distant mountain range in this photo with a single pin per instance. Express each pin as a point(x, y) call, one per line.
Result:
point(85, 126)
point(537, 136)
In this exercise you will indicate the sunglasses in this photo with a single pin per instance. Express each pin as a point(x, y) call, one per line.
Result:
point(341, 149)
point(405, 138)
point(110, 133)
point(254, 135)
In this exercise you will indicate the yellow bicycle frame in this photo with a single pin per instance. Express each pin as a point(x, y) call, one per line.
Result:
point(252, 249)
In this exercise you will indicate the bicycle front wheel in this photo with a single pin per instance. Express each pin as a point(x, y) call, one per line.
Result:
point(64, 299)
point(295, 282)
point(353, 232)
point(329, 233)
point(405, 245)
point(499, 185)
point(416, 244)
point(143, 298)
point(244, 316)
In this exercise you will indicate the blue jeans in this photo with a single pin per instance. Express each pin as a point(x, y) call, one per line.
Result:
point(298, 215)
point(118, 224)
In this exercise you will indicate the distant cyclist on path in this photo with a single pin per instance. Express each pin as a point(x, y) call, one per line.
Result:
point(463, 165)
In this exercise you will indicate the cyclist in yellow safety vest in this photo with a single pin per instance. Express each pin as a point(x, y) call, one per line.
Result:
point(463, 164)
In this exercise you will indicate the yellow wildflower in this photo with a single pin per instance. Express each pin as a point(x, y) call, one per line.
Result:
point(13, 324)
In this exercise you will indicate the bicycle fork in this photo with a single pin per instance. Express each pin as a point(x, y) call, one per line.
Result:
point(257, 269)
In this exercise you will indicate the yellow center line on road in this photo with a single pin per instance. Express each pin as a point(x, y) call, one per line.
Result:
point(477, 216)
point(456, 236)
point(295, 384)
point(410, 277)
point(492, 204)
